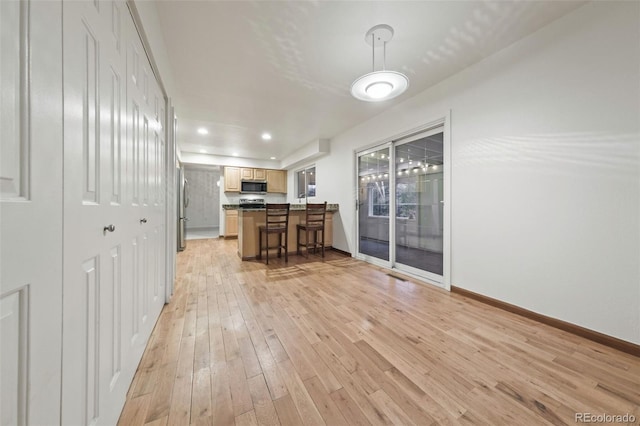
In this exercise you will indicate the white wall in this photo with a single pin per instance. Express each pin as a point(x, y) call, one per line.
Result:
point(221, 160)
point(150, 19)
point(545, 142)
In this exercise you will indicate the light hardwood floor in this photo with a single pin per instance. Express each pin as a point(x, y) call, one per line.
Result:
point(340, 342)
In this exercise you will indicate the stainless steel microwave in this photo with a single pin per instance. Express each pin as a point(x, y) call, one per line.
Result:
point(253, 187)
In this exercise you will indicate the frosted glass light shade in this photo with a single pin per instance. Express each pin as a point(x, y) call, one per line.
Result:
point(379, 86)
point(379, 89)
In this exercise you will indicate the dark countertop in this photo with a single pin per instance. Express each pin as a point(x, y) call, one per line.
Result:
point(293, 207)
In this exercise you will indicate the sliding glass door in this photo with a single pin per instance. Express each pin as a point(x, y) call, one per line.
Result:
point(373, 204)
point(401, 200)
point(419, 196)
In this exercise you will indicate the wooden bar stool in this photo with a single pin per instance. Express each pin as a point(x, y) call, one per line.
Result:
point(276, 222)
point(313, 225)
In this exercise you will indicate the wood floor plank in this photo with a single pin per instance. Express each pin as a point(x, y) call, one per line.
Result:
point(221, 402)
point(240, 395)
point(391, 409)
point(161, 397)
point(202, 421)
point(287, 412)
point(247, 419)
point(180, 407)
point(301, 398)
point(145, 382)
point(381, 362)
point(216, 345)
point(157, 422)
point(353, 386)
point(135, 411)
point(249, 358)
point(337, 341)
point(277, 350)
point(412, 407)
point(262, 403)
point(201, 399)
point(275, 382)
point(349, 409)
point(231, 347)
point(325, 405)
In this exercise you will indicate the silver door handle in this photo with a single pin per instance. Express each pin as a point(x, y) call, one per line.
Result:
point(143, 220)
point(109, 228)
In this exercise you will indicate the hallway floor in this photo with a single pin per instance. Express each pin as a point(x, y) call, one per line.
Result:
point(202, 233)
point(337, 341)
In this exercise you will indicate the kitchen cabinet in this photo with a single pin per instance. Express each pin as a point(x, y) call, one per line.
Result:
point(259, 174)
point(249, 222)
point(253, 174)
point(232, 179)
point(246, 174)
point(230, 223)
point(277, 181)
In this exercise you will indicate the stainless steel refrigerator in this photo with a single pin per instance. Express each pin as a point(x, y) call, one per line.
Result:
point(183, 202)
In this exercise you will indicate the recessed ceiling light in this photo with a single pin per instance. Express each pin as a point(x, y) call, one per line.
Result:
point(272, 158)
point(204, 151)
point(203, 131)
point(266, 136)
point(235, 154)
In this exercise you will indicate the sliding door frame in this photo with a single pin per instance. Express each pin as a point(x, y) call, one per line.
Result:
point(444, 121)
point(360, 153)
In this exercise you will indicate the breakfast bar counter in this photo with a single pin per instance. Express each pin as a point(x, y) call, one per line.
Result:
point(250, 219)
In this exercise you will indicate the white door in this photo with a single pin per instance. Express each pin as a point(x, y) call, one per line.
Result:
point(145, 109)
point(113, 208)
point(30, 212)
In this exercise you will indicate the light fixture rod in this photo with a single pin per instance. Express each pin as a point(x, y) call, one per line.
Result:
point(373, 52)
point(384, 56)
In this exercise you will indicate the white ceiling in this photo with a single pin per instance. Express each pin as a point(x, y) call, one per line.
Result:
point(241, 68)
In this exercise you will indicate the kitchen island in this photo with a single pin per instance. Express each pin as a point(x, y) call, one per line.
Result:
point(250, 219)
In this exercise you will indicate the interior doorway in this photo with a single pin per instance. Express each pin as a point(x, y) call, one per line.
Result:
point(203, 208)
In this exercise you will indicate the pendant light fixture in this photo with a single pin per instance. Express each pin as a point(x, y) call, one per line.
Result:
point(381, 85)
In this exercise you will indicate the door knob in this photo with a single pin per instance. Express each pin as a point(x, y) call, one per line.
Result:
point(143, 220)
point(109, 228)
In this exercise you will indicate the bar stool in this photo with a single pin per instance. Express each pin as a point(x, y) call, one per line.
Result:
point(276, 222)
point(313, 225)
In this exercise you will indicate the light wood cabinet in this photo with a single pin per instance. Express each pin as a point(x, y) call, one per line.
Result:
point(259, 174)
point(277, 181)
point(230, 223)
point(253, 174)
point(232, 179)
point(246, 174)
point(249, 237)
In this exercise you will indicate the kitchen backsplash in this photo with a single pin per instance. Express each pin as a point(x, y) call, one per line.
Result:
point(268, 198)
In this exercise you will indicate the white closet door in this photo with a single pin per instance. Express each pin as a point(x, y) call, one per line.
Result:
point(111, 286)
point(145, 183)
point(30, 211)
